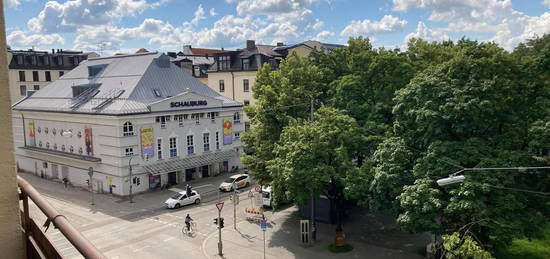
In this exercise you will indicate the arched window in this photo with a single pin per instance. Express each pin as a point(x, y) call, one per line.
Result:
point(128, 129)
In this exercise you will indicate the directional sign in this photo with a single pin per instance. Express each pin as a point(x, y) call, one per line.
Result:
point(257, 188)
point(263, 224)
point(219, 205)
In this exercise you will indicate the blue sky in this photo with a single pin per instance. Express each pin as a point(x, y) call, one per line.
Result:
point(167, 25)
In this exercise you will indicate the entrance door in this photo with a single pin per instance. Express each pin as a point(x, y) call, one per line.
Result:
point(205, 171)
point(55, 171)
point(65, 172)
point(225, 166)
point(189, 174)
point(172, 178)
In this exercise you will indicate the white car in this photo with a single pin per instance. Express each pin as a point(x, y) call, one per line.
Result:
point(240, 180)
point(181, 199)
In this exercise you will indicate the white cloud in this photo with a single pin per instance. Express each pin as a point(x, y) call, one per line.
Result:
point(387, 24)
point(547, 3)
point(68, 16)
point(487, 16)
point(213, 12)
point(317, 25)
point(269, 7)
point(199, 15)
point(423, 32)
point(22, 40)
point(12, 3)
point(322, 36)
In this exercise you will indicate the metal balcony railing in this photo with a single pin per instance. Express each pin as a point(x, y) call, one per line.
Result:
point(38, 245)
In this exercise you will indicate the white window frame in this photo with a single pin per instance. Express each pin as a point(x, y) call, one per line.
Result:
point(190, 145)
point(128, 129)
point(159, 148)
point(236, 118)
point(129, 151)
point(173, 146)
point(246, 85)
point(206, 141)
point(217, 140)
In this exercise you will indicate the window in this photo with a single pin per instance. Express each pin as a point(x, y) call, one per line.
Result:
point(222, 86)
point(129, 151)
point(23, 90)
point(196, 70)
point(212, 115)
point(20, 60)
point(33, 60)
point(80, 150)
point(159, 148)
point(22, 76)
point(61, 73)
point(36, 87)
point(246, 87)
point(48, 76)
point(47, 144)
point(246, 126)
point(60, 60)
point(35, 76)
point(224, 62)
point(162, 120)
point(55, 146)
point(95, 70)
point(198, 119)
point(237, 135)
point(236, 118)
point(206, 141)
point(190, 147)
point(173, 147)
point(246, 102)
point(63, 148)
point(246, 63)
point(46, 60)
point(128, 129)
point(217, 140)
point(71, 149)
point(179, 119)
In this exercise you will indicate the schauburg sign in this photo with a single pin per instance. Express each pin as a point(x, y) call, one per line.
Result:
point(188, 103)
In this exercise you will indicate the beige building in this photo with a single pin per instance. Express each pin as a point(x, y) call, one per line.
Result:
point(233, 73)
point(31, 70)
point(195, 61)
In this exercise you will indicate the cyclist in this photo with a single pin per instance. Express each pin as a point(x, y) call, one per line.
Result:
point(188, 220)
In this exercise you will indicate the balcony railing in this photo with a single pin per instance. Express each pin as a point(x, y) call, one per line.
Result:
point(38, 245)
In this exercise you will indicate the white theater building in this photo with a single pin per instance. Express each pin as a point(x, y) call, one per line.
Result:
point(139, 109)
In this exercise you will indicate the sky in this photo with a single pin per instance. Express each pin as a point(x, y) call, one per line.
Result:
point(123, 26)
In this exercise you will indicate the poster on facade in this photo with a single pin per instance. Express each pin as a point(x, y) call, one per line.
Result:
point(227, 132)
point(88, 141)
point(147, 145)
point(32, 140)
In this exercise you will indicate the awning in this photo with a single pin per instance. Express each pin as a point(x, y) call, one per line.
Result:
point(194, 161)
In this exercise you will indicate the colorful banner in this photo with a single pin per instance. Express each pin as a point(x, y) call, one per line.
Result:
point(147, 143)
point(32, 139)
point(88, 141)
point(227, 132)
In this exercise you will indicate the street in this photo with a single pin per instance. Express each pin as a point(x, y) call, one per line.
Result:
point(145, 229)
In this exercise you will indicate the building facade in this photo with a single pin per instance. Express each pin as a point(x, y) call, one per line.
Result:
point(195, 61)
point(135, 110)
point(31, 70)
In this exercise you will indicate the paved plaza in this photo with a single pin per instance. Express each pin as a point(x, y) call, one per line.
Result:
point(145, 229)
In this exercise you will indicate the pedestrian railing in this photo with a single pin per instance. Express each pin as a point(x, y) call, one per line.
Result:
point(38, 245)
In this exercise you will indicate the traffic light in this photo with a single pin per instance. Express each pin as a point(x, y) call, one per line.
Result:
point(138, 181)
point(221, 222)
point(134, 180)
point(88, 182)
point(216, 221)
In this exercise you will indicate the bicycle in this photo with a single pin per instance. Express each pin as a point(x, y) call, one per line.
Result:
point(192, 229)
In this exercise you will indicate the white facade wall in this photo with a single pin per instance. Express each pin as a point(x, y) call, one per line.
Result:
point(110, 145)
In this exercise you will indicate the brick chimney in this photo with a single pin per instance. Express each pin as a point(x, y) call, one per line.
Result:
point(250, 45)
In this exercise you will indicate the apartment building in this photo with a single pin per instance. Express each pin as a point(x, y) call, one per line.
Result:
point(135, 110)
point(31, 70)
point(195, 61)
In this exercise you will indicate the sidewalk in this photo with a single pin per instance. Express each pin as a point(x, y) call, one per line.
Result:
point(282, 240)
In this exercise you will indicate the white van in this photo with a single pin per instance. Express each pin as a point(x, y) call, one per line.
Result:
point(266, 196)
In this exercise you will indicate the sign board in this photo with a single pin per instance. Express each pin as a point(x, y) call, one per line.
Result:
point(219, 205)
point(263, 224)
point(258, 188)
point(258, 200)
point(250, 194)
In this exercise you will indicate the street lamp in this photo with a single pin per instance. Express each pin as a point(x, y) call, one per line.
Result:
point(456, 178)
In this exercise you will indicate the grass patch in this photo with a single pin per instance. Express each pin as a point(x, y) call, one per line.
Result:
point(339, 249)
point(529, 249)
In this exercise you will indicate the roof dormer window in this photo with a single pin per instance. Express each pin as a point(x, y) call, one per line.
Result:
point(157, 92)
point(93, 71)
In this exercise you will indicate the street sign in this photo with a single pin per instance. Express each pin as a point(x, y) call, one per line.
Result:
point(257, 188)
point(263, 224)
point(219, 205)
point(250, 194)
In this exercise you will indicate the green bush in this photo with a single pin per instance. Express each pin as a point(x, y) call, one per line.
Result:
point(529, 249)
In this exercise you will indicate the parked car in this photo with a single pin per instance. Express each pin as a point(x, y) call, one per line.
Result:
point(182, 199)
point(267, 197)
point(240, 181)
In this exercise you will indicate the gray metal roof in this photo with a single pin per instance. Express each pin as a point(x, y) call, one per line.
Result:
point(196, 60)
point(136, 75)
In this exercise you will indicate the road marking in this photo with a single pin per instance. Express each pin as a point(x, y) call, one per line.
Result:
point(167, 239)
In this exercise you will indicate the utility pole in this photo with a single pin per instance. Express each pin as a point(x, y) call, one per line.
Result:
point(220, 245)
point(130, 169)
point(313, 228)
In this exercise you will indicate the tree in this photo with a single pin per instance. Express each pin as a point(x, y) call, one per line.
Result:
point(314, 157)
point(282, 96)
point(459, 246)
